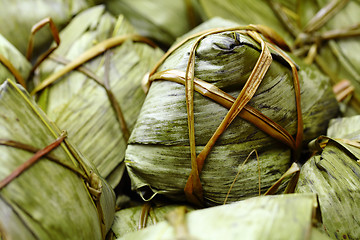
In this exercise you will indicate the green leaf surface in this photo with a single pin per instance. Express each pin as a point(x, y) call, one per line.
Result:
point(19, 21)
point(333, 174)
point(47, 201)
point(244, 12)
point(158, 155)
point(161, 20)
point(128, 220)
point(267, 217)
point(80, 105)
point(293, 20)
point(340, 54)
point(9, 52)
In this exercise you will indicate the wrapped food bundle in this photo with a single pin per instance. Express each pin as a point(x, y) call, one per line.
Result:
point(13, 64)
point(176, 131)
point(19, 22)
point(228, 113)
point(333, 174)
point(245, 12)
point(331, 34)
point(97, 103)
point(135, 218)
point(323, 31)
point(160, 20)
point(48, 190)
point(290, 216)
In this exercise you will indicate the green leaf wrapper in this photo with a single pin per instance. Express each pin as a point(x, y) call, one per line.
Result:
point(79, 104)
point(288, 216)
point(49, 200)
point(333, 174)
point(158, 154)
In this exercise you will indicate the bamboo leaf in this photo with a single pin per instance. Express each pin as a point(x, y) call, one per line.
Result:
point(333, 175)
point(163, 26)
point(324, 32)
point(128, 220)
point(32, 204)
point(17, 16)
point(223, 62)
point(277, 217)
point(13, 64)
point(245, 13)
point(96, 97)
point(328, 34)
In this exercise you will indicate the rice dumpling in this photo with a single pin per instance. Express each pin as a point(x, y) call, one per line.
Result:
point(138, 217)
point(48, 190)
point(20, 16)
point(244, 12)
point(333, 174)
point(160, 154)
point(97, 103)
point(290, 216)
point(326, 32)
point(160, 20)
point(333, 29)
